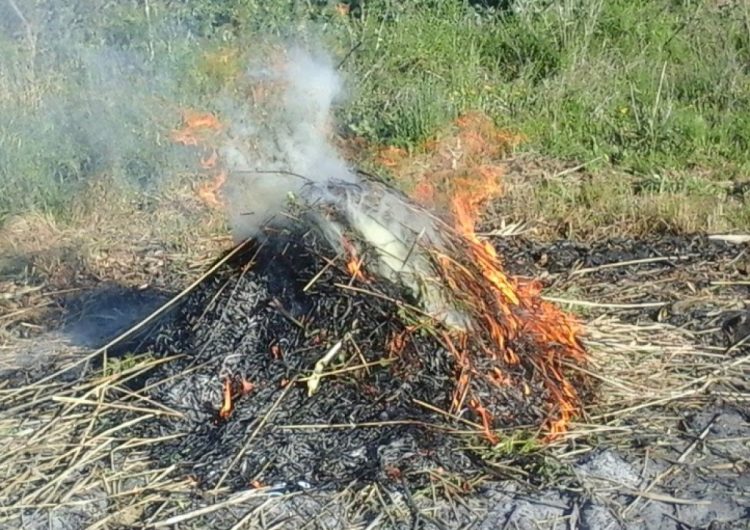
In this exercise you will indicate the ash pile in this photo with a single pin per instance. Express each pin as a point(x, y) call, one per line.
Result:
point(342, 347)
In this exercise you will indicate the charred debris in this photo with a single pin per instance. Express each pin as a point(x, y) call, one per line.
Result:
point(306, 359)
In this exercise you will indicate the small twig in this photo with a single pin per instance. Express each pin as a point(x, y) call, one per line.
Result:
point(412, 247)
point(347, 369)
point(314, 380)
point(628, 263)
point(447, 414)
point(667, 498)
point(249, 515)
point(26, 24)
point(25, 310)
point(328, 265)
point(372, 425)
point(129, 408)
point(237, 499)
point(348, 54)
point(273, 172)
point(585, 303)
point(731, 238)
point(737, 345)
point(575, 168)
point(276, 305)
point(416, 513)
point(399, 303)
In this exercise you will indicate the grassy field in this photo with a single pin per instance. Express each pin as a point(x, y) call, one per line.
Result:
point(649, 98)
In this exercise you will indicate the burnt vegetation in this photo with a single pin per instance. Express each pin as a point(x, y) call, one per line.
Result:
point(380, 358)
point(396, 397)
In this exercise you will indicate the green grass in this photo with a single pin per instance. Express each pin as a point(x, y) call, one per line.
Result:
point(643, 85)
point(656, 89)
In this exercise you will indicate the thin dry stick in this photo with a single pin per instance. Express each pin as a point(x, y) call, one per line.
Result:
point(139, 397)
point(26, 25)
point(447, 414)
point(105, 522)
point(246, 519)
point(575, 168)
point(398, 303)
point(82, 442)
point(115, 406)
point(93, 386)
point(371, 425)
point(661, 401)
point(328, 265)
point(585, 303)
point(338, 371)
point(667, 498)
point(627, 263)
point(25, 310)
point(90, 456)
point(737, 345)
point(237, 499)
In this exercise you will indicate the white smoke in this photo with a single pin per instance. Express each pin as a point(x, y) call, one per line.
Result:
point(279, 145)
point(280, 149)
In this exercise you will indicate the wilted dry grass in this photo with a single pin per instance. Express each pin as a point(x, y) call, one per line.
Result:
point(158, 243)
point(571, 201)
point(65, 453)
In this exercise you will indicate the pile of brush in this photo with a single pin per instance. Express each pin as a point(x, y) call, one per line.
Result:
point(356, 329)
point(341, 345)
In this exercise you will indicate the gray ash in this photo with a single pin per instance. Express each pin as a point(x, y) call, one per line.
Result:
point(255, 321)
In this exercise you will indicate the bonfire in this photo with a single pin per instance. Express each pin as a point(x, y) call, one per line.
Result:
point(361, 354)
point(356, 307)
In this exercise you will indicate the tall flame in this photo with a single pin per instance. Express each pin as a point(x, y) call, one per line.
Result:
point(463, 174)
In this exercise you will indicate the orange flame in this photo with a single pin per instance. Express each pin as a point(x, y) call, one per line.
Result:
point(556, 331)
point(486, 417)
point(208, 192)
point(199, 129)
point(196, 127)
point(354, 263)
point(226, 406)
point(464, 172)
point(231, 389)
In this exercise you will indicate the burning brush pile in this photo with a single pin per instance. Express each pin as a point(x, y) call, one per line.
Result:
point(351, 334)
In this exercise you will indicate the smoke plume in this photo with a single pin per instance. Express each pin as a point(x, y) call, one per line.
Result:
point(278, 150)
point(279, 140)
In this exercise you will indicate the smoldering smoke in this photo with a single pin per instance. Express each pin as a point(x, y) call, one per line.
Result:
point(278, 150)
point(277, 143)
